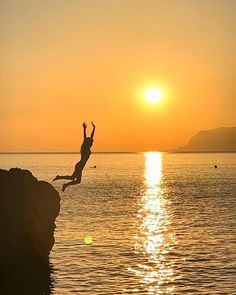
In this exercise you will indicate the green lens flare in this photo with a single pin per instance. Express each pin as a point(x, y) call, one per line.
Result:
point(88, 240)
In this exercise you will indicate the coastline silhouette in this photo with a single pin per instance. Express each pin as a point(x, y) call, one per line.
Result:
point(85, 154)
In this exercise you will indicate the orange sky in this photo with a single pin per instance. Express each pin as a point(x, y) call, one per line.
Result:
point(65, 62)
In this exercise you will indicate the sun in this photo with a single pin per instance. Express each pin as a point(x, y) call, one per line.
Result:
point(153, 95)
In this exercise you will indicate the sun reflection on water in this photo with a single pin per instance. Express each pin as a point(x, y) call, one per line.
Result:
point(154, 240)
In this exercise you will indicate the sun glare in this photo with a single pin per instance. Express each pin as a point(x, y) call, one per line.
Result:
point(153, 95)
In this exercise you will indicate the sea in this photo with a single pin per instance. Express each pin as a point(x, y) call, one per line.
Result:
point(142, 223)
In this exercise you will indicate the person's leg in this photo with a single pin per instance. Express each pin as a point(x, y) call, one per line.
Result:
point(73, 182)
point(77, 171)
point(64, 177)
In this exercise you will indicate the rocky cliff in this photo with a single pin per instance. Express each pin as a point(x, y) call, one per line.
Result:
point(222, 139)
point(28, 209)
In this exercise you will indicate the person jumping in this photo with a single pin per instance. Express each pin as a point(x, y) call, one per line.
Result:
point(85, 154)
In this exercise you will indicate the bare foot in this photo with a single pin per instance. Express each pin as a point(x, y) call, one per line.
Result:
point(56, 178)
point(64, 187)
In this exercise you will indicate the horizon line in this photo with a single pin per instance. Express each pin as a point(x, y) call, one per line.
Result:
point(116, 152)
point(61, 152)
point(70, 152)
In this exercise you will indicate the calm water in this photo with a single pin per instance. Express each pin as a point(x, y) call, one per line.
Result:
point(160, 223)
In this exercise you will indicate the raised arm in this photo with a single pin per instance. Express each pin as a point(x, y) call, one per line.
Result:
point(84, 126)
point(92, 134)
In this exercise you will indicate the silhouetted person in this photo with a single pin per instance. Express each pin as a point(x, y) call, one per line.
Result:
point(85, 154)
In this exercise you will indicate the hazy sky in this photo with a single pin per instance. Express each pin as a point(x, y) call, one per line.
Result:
point(68, 61)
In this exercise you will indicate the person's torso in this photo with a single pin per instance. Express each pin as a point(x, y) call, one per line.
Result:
point(85, 152)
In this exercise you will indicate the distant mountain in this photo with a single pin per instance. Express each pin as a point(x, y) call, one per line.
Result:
point(221, 139)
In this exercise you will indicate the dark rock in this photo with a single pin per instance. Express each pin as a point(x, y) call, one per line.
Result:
point(28, 209)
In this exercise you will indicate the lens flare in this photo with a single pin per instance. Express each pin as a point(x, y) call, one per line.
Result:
point(88, 240)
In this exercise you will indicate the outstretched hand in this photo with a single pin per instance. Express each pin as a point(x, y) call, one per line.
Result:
point(84, 125)
point(93, 124)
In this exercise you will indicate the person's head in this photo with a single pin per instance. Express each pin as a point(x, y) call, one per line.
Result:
point(88, 141)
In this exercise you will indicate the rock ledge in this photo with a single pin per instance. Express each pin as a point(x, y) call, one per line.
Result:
point(28, 212)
